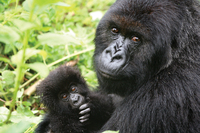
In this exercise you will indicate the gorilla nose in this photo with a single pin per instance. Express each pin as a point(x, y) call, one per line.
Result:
point(113, 58)
point(74, 98)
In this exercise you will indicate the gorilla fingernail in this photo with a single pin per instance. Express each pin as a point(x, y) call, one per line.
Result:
point(85, 116)
point(83, 106)
point(85, 111)
point(83, 120)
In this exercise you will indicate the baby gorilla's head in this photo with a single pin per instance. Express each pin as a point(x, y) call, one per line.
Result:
point(63, 89)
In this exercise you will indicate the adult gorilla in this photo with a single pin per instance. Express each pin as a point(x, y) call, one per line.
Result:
point(148, 51)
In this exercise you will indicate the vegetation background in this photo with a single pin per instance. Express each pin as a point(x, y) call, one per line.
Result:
point(36, 36)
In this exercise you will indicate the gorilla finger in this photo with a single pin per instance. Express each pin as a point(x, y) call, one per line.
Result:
point(83, 120)
point(85, 111)
point(84, 117)
point(84, 106)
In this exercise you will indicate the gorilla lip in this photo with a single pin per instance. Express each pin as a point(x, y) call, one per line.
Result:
point(109, 76)
point(79, 102)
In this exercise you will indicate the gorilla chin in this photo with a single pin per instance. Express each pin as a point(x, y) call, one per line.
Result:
point(111, 76)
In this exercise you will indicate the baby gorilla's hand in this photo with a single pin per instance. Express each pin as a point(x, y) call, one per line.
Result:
point(84, 110)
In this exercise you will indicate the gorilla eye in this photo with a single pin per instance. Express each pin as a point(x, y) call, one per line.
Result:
point(64, 96)
point(73, 88)
point(135, 39)
point(115, 30)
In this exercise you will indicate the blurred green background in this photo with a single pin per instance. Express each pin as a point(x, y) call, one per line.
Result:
point(36, 36)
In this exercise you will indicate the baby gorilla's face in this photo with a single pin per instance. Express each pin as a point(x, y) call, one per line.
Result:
point(73, 97)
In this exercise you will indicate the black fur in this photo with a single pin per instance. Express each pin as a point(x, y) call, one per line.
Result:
point(61, 117)
point(159, 74)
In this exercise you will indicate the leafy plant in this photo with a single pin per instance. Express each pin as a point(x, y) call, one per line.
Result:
point(35, 37)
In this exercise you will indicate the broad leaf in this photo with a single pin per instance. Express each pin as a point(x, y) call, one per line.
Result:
point(8, 35)
point(53, 39)
point(23, 25)
point(41, 68)
point(17, 58)
point(3, 114)
point(8, 77)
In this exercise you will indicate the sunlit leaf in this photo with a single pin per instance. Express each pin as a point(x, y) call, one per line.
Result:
point(45, 2)
point(97, 15)
point(29, 5)
point(43, 54)
point(1, 8)
point(53, 39)
point(23, 25)
point(4, 60)
point(41, 68)
point(16, 128)
point(3, 113)
point(8, 35)
point(20, 93)
point(8, 77)
point(62, 4)
point(17, 117)
point(17, 58)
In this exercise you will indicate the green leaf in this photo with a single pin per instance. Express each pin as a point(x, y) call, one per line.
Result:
point(29, 5)
point(53, 39)
point(8, 77)
point(18, 116)
point(62, 4)
point(7, 49)
point(16, 128)
point(23, 110)
point(8, 35)
point(23, 25)
point(5, 60)
point(17, 58)
point(97, 15)
point(40, 68)
point(1, 8)
point(3, 114)
point(111, 131)
point(20, 93)
point(45, 2)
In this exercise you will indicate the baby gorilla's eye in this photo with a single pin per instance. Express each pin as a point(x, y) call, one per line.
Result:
point(73, 88)
point(135, 39)
point(115, 30)
point(64, 96)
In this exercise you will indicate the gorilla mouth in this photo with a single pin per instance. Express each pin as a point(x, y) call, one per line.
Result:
point(110, 76)
point(79, 102)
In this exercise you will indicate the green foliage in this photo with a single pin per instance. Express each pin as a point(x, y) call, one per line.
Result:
point(36, 36)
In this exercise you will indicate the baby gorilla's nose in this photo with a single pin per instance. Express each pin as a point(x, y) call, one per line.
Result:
point(76, 100)
point(74, 97)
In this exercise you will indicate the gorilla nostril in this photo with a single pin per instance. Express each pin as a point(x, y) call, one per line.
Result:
point(107, 51)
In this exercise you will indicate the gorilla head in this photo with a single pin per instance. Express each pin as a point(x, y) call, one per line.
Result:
point(134, 42)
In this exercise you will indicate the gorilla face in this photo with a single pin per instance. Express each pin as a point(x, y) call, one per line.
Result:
point(72, 97)
point(133, 44)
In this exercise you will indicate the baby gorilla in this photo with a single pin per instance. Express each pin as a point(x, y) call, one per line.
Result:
point(72, 108)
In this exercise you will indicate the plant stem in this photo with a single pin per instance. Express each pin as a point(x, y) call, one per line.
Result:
point(19, 75)
point(69, 56)
point(56, 62)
